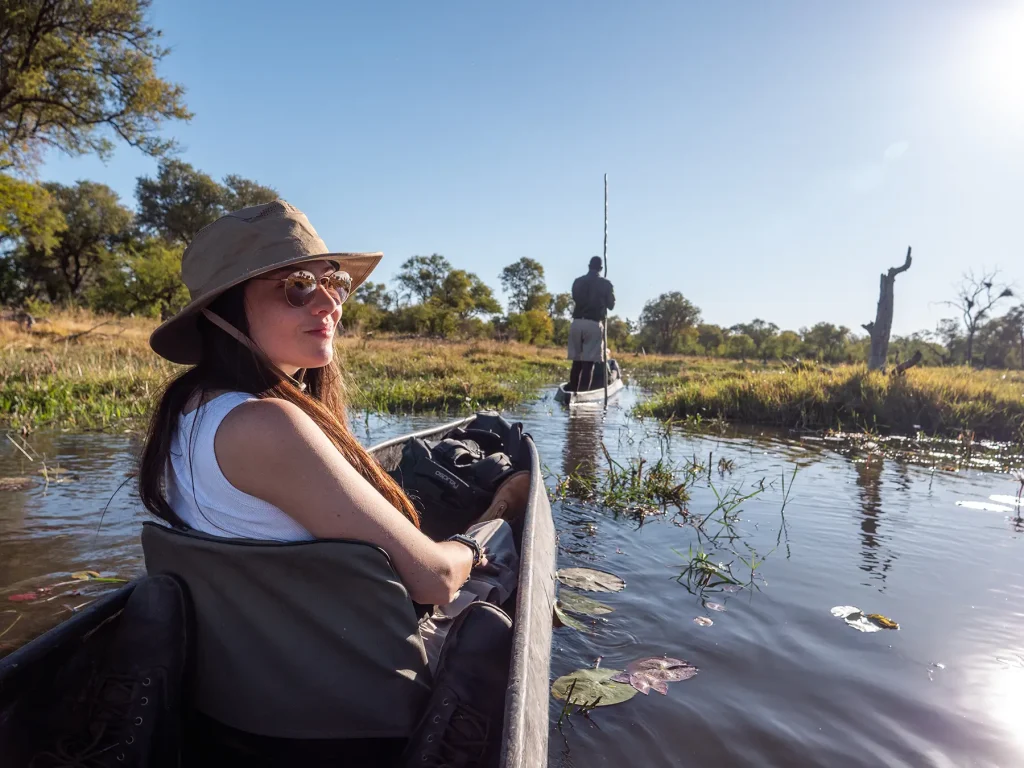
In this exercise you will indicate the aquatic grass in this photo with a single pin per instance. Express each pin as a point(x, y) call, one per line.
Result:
point(638, 488)
point(936, 401)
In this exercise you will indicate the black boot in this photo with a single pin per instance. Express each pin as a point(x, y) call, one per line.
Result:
point(129, 713)
point(461, 727)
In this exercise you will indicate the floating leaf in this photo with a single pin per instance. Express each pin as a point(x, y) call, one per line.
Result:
point(563, 619)
point(591, 580)
point(984, 506)
point(655, 673)
point(23, 597)
point(715, 607)
point(732, 588)
point(94, 576)
point(871, 622)
point(593, 687)
point(703, 621)
point(15, 483)
point(883, 621)
point(581, 604)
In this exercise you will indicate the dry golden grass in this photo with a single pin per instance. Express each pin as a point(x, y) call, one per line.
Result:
point(108, 378)
point(936, 401)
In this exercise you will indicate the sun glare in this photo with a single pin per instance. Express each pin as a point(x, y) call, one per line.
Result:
point(998, 62)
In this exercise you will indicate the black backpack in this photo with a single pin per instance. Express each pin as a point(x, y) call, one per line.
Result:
point(451, 482)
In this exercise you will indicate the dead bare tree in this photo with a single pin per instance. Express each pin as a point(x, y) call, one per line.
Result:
point(975, 301)
point(881, 328)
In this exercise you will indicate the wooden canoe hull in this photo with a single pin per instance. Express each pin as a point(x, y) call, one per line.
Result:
point(525, 730)
point(566, 397)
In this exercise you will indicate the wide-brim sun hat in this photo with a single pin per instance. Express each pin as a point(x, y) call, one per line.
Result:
point(237, 247)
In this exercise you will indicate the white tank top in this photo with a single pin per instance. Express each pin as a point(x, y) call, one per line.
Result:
point(200, 494)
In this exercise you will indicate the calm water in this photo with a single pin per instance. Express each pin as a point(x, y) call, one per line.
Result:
point(782, 682)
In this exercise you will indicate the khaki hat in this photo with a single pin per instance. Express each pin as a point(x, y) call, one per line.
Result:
point(239, 246)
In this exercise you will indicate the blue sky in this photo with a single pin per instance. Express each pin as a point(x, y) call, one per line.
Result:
point(766, 159)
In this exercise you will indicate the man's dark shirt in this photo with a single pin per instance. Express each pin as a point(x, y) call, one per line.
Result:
point(593, 296)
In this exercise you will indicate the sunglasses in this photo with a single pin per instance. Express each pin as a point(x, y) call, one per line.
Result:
point(300, 286)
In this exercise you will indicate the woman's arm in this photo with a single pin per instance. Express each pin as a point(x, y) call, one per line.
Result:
point(272, 450)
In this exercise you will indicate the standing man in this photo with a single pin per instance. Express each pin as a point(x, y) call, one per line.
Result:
point(592, 297)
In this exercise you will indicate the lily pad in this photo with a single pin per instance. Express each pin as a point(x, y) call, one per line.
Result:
point(16, 483)
point(565, 620)
point(581, 604)
point(593, 687)
point(591, 580)
point(655, 673)
point(703, 621)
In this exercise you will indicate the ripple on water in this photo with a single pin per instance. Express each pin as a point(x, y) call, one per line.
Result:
point(782, 682)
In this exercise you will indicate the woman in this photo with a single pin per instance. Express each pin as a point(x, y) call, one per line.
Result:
point(252, 441)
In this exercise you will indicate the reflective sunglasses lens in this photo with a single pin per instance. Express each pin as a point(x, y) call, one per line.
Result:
point(299, 288)
point(340, 283)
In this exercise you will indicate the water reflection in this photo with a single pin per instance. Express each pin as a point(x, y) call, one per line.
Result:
point(876, 559)
point(584, 431)
point(782, 682)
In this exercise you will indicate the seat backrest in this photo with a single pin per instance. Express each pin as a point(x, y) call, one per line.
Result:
point(298, 640)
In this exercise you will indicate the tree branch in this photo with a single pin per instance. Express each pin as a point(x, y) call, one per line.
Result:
point(893, 271)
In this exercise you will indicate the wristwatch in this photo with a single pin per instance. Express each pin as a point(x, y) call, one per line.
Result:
point(470, 542)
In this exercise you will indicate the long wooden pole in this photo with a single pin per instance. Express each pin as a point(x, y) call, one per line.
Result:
point(604, 330)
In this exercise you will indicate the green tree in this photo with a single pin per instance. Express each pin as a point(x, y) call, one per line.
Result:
point(28, 214)
point(74, 73)
point(240, 192)
point(423, 276)
point(950, 335)
point(375, 295)
point(710, 337)
point(523, 281)
point(96, 224)
point(532, 327)
point(664, 319)
point(741, 346)
point(561, 306)
point(144, 278)
point(1015, 319)
point(785, 345)
point(620, 333)
point(759, 332)
point(181, 200)
point(826, 341)
point(998, 341)
point(484, 302)
point(903, 348)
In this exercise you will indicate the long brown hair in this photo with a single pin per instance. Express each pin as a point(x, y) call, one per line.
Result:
point(228, 365)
